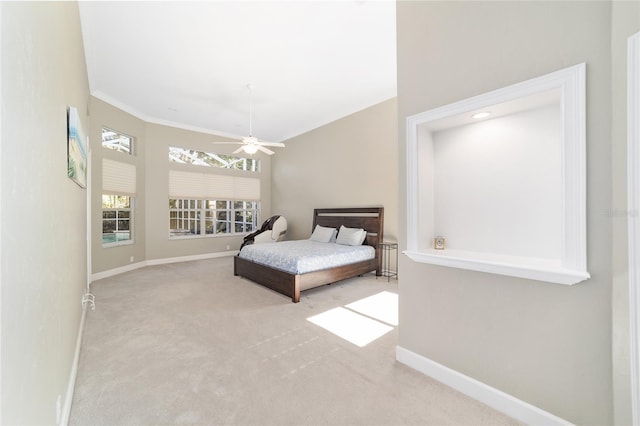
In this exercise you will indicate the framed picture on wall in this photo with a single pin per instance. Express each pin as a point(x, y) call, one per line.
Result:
point(76, 149)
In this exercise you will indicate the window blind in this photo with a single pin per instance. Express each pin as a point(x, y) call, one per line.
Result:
point(118, 178)
point(212, 187)
point(246, 189)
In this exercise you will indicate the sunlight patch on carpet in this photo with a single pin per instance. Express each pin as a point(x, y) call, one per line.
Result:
point(351, 326)
point(382, 306)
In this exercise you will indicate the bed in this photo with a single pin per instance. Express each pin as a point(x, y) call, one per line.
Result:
point(371, 219)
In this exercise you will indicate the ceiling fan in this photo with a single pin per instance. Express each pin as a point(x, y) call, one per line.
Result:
point(251, 144)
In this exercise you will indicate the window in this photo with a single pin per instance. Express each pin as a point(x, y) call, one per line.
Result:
point(207, 159)
point(118, 195)
point(202, 203)
point(117, 219)
point(211, 217)
point(117, 141)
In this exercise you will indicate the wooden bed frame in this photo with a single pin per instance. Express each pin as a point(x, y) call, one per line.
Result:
point(369, 218)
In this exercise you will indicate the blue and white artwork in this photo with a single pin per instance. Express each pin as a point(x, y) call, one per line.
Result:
point(76, 149)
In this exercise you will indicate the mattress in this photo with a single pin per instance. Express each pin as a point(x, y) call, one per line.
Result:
point(302, 256)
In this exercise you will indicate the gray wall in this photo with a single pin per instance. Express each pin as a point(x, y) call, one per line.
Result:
point(625, 22)
point(105, 115)
point(159, 139)
point(351, 162)
point(547, 344)
point(151, 233)
point(43, 212)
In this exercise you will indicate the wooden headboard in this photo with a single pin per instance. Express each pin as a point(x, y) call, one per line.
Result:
point(369, 218)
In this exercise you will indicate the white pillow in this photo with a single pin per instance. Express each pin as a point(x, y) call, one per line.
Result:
point(351, 236)
point(323, 234)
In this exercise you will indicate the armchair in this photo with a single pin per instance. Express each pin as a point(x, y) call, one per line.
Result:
point(272, 230)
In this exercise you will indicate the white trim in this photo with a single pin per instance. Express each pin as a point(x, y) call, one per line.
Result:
point(494, 398)
point(117, 271)
point(150, 119)
point(413, 169)
point(573, 262)
point(153, 262)
point(1, 286)
point(633, 208)
point(89, 216)
point(122, 242)
point(68, 399)
point(166, 260)
point(521, 267)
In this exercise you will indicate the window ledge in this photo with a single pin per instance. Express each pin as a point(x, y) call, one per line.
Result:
point(197, 237)
point(117, 244)
point(523, 267)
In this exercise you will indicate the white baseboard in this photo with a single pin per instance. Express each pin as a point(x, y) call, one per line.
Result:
point(68, 399)
point(190, 258)
point(153, 262)
point(494, 398)
point(117, 271)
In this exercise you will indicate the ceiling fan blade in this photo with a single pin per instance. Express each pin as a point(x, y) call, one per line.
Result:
point(277, 144)
point(239, 150)
point(227, 142)
point(265, 150)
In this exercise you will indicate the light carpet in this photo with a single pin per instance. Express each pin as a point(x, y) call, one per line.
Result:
point(189, 343)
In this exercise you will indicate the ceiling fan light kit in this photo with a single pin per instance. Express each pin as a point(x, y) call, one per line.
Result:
point(250, 149)
point(251, 144)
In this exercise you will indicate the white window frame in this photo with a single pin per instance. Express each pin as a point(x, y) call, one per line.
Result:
point(633, 217)
point(131, 141)
point(131, 210)
point(195, 157)
point(202, 217)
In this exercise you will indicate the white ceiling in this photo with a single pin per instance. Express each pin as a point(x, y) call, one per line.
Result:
point(189, 63)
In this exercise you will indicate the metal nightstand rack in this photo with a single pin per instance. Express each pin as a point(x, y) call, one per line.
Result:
point(388, 269)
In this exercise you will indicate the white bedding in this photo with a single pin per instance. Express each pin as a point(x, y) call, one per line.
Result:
point(302, 256)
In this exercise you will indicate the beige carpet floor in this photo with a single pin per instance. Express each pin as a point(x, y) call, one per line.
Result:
point(189, 343)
